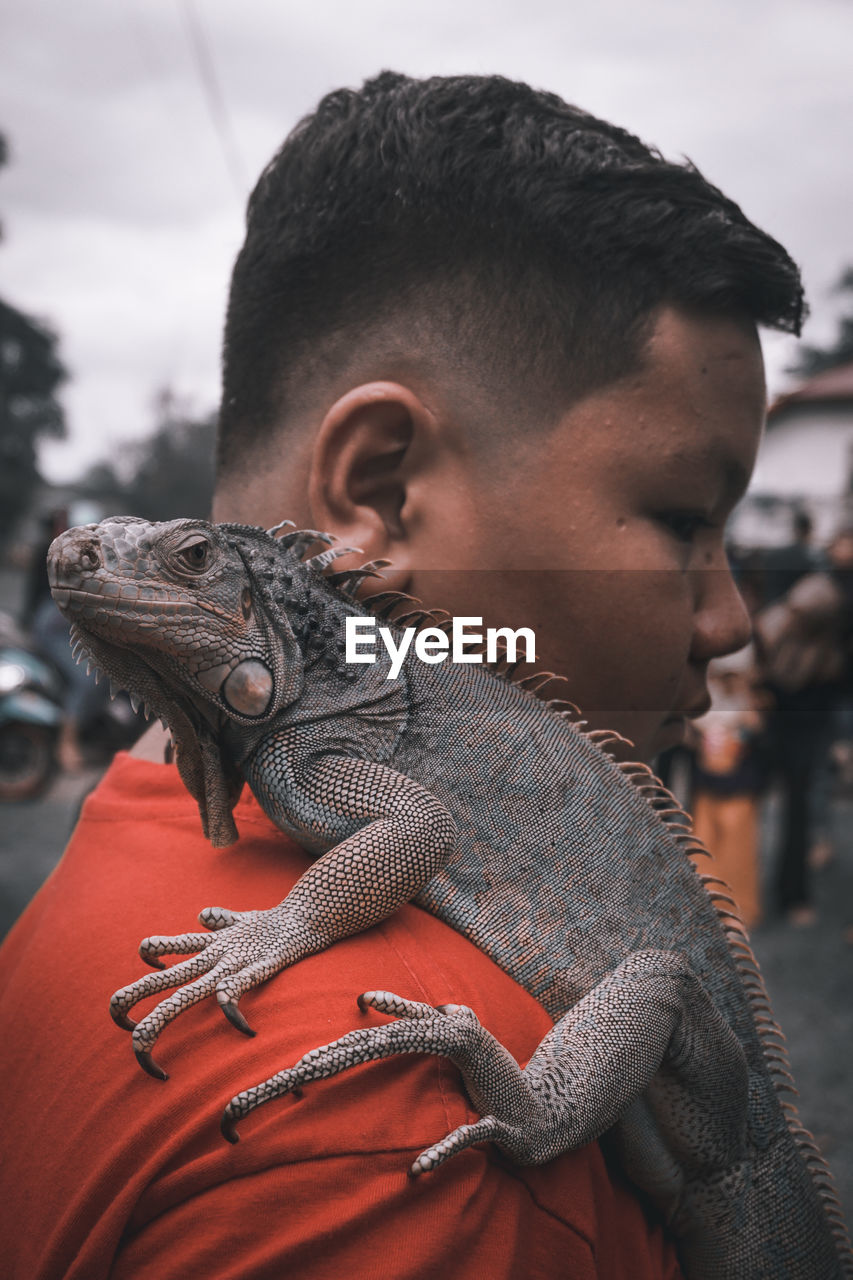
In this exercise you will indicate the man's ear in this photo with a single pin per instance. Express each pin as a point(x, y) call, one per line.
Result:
point(363, 478)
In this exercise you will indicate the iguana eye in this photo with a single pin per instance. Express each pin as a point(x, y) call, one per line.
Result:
point(195, 555)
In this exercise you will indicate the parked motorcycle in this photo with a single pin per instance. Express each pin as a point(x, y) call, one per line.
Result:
point(41, 689)
point(31, 695)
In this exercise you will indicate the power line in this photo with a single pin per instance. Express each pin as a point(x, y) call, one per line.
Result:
point(214, 99)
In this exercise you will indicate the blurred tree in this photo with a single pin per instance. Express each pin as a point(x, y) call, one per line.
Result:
point(172, 469)
point(811, 360)
point(30, 373)
point(102, 480)
point(102, 485)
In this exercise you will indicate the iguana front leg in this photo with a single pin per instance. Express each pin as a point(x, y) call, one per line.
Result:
point(650, 1020)
point(389, 837)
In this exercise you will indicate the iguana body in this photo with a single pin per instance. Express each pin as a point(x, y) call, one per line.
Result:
point(458, 788)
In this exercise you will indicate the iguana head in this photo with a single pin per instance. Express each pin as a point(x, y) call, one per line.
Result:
point(174, 613)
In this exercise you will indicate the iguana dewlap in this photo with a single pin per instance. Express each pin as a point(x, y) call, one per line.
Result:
point(457, 788)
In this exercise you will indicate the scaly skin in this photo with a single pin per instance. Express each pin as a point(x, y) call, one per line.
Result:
point(459, 789)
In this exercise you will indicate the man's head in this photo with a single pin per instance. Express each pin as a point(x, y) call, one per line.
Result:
point(463, 308)
point(484, 230)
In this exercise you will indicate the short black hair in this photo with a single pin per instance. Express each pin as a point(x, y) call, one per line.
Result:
point(530, 239)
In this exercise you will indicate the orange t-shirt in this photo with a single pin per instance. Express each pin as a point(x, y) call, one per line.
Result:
point(108, 1173)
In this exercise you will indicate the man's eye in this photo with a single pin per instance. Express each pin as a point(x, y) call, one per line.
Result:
point(195, 555)
point(683, 525)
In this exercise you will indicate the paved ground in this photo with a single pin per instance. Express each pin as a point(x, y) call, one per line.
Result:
point(32, 837)
point(809, 971)
point(809, 974)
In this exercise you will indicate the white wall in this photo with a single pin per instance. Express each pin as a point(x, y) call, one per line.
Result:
point(808, 454)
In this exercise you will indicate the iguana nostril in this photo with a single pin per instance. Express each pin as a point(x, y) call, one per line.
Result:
point(89, 556)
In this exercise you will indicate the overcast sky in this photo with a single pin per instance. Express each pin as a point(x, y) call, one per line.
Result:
point(137, 128)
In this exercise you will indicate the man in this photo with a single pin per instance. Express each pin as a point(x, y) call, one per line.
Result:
point(509, 348)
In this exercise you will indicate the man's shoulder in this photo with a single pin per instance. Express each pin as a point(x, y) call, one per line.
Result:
point(138, 864)
point(139, 861)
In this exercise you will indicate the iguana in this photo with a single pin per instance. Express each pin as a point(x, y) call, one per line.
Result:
point(462, 789)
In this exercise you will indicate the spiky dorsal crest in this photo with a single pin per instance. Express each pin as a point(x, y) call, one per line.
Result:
point(299, 540)
point(347, 581)
point(323, 559)
point(279, 528)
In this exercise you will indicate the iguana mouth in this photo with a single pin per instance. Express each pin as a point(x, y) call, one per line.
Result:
point(133, 608)
point(65, 596)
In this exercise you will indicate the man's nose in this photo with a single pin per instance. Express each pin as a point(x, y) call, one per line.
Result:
point(721, 622)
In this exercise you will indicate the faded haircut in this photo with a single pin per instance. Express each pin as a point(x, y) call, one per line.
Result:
point(492, 223)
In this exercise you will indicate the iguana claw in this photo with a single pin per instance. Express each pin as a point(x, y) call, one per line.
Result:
point(466, 1135)
point(242, 949)
point(235, 1017)
point(122, 1020)
point(147, 1063)
point(421, 1028)
point(228, 1128)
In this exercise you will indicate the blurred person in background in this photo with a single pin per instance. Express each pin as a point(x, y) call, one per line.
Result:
point(728, 777)
point(835, 759)
point(800, 641)
point(784, 566)
point(840, 552)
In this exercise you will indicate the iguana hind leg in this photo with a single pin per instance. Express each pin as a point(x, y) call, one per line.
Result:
point(650, 1014)
point(389, 836)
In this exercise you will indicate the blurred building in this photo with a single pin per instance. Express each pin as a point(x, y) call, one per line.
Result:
point(805, 463)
